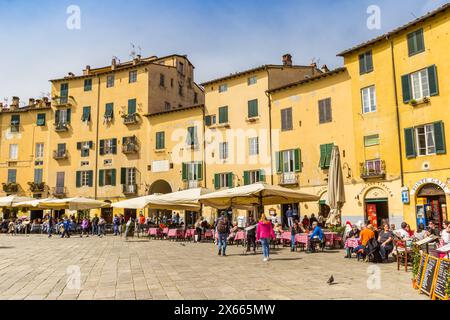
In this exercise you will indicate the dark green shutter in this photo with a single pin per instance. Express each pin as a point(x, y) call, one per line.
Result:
point(217, 181)
point(329, 151)
point(298, 160)
point(223, 115)
point(262, 176)
point(406, 87)
point(279, 161)
point(101, 178)
point(132, 106)
point(420, 41)
point(433, 80)
point(113, 177)
point(41, 119)
point(91, 178)
point(86, 114)
point(68, 115)
point(78, 145)
point(409, 143)
point(230, 180)
point(184, 171)
point(253, 108)
point(208, 120)
point(102, 147)
point(439, 137)
point(362, 64)
point(369, 61)
point(91, 144)
point(199, 171)
point(246, 178)
point(57, 116)
point(78, 179)
point(123, 175)
point(323, 156)
point(114, 146)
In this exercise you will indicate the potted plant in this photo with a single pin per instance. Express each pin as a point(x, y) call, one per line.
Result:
point(414, 102)
point(426, 99)
point(416, 256)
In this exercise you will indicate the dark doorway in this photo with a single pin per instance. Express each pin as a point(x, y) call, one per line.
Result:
point(107, 214)
point(36, 214)
point(434, 205)
point(190, 217)
point(130, 213)
point(59, 214)
point(377, 211)
point(284, 209)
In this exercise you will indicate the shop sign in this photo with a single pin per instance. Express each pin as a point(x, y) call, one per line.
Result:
point(425, 181)
point(405, 196)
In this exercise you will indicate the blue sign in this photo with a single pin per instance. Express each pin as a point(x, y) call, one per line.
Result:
point(405, 196)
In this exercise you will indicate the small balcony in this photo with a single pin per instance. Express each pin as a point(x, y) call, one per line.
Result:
point(59, 192)
point(10, 187)
point(130, 148)
point(60, 155)
point(37, 187)
point(288, 179)
point(373, 169)
point(62, 101)
point(193, 184)
point(129, 189)
point(130, 119)
point(61, 127)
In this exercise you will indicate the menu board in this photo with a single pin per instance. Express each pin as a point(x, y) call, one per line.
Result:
point(429, 273)
point(423, 261)
point(440, 286)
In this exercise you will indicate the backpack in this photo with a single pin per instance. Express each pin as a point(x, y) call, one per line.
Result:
point(222, 226)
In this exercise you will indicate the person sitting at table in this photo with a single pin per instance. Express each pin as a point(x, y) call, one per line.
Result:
point(316, 237)
point(295, 229)
point(305, 222)
point(402, 233)
point(233, 232)
point(365, 235)
point(420, 234)
point(385, 239)
point(353, 234)
point(432, 230)
point(445, 234)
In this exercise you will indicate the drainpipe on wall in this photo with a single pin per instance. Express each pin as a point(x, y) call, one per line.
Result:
point(394, 73)
point(97, 142)
point(270, 136)
point(204, 148)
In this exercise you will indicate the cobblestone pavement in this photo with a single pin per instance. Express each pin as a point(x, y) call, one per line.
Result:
point(35, 267)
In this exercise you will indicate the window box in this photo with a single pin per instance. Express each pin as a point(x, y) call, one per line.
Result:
point(59, 192)
point(60, 155)
point(373, 169)
point(10, 187)
point(253, 119)
point(288, 179)
point(129, 119)
point(62, 101)
point(129, 189)
point(159, 151)
point(36, 187)
point(130, 148)
point(61, 127)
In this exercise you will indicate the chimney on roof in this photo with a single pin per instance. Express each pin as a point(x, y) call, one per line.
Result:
point(31, 102)
point(325, 68)
point(45, 99)
point(287, 60)
point(15, 101)
point(314, 65)
point(137, 59)
point(87, 71)
point(114, 64)
point(71, 74)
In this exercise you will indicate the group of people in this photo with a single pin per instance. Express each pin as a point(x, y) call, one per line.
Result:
point(379, 243)
point(306, 222)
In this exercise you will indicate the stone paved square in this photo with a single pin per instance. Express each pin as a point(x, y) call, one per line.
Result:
point(35, 267)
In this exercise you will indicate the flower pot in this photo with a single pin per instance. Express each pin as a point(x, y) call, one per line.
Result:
point(414, 284)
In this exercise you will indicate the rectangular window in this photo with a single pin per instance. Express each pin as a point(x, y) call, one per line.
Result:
point(162, 80)
point(365, 62)
point(223, 115)
point(425, 140)
point(420, 84)
point(15, 123)
point(252, 80)
point(325, 155)
point(192, 171)
point(132, 77)
point(64, 93)
point(61, 149)
point(181, 68)
point(254, 177)
point(195, 97)
point(373, 140)
point(167, 106)
point(38, 175)
point(84, 178)
point(12, 176)
point(180, 90)
point(86, 117)
point(223, 88)
point(132, 106)
point(160, 141)
point(223, 150)
point(191, 139)
point(253, 108)
point(39, 150)
point(128, 176)
point(210, 120)
point(85, 147)
point(253, 146)
point(60, 180)
point(286, 119)
point(369, 99)
point(110, 81)
point(373, 167)
point(107, 177)
point(109, 111)
point(13, 151)
point(416, 43)
point(62, 116)
point(288, 164)
point(108, 146)
point(223, 180)
point(88, 85)
point(325, 115)
point(40, 122)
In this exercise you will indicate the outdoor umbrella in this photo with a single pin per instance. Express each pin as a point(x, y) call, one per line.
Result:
point(336, 190)
point(32, 203)
point(258, 194)
point(77, 203)
point(10, 201)
point(135, 203)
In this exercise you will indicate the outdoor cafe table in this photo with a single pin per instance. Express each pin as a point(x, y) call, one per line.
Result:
point(174, 233)
point(352, 243)
point(240, 235)
point(302, 238)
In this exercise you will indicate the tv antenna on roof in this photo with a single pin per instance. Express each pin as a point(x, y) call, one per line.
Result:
point(133, 52)
point(117, 59)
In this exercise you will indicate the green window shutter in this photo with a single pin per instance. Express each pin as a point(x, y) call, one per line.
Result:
point(109, 112)
point(91, 144)
point(41, 119)
point(208, 121)
point(246, 178)
point(78, 145)
point(78, 177)
point(323, 156)
point(362, 64)
point(253, 108)
point(132, 106)
point(113, 177)
point(57, 116)
point(433, 80)
point(184, 171)
point(123, 175)
point(420, 41)
point(262, 176)
point(369, 61)
point(217, 181)
point(114, 146)
point(91, 178)
point(409, 143)
point(86, 114)
point(199, 171)
point(15, 120)
point(88, 85)
point(68, 115)
point(230, 180)
point(101, 178)
point(406, 87)
point(298, 160)
point(328, 157)
point(279, 161)
point(439, 137)
point(64, 90)
point(412, 48)
point(102, 147)
point(223, 115)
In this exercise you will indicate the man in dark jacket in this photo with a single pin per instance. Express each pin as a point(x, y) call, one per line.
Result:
point(95, 221)
point(223, 230)
point(251, 234)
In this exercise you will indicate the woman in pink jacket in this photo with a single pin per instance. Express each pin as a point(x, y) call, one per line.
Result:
point(264, 232)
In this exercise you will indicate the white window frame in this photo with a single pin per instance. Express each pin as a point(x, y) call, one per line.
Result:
point(63, 116)
point(253, 145)
point(192, 171)
point(107, 175)
point(131, 176)
point(373, 166)
point(288, 161)
point(108, 147)
point(428, 133)
point(132, 76)
point(420, 84)
point(254, 176)
point(223, 177)
point(14, 151)
point(110, 80)
point(369, 99)
point(366, 138)
point(252, 80)
point(223, 150)
point(223, 88)
point(84, 179)
point(39, 150)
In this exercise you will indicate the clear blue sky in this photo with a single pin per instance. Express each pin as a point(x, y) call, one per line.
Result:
point(220, 36)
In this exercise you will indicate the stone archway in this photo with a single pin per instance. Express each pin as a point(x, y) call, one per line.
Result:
point(376, 206)
point(160, 187)
point(431, 204)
